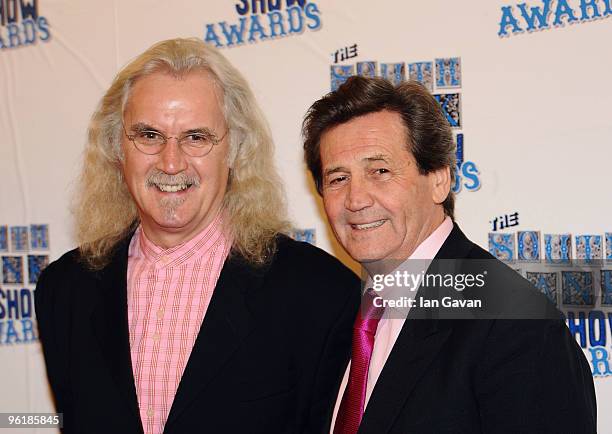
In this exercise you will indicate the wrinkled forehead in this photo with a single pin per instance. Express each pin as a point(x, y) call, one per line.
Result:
point(354, 152)
point(381, 136)
point(171, 76)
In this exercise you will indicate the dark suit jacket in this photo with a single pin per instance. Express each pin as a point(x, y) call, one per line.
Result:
point(268, 358)
point(484, 375)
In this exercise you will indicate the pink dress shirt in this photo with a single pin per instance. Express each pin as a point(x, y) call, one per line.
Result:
point(389, 328)
point(168, 293)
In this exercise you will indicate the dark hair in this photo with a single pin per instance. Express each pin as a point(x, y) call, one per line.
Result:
point(430, 139)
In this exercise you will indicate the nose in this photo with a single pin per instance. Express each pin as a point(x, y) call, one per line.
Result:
point(358, 195)
point(172, 159)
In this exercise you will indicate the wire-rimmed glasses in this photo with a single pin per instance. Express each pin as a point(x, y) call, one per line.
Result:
point(193, 143)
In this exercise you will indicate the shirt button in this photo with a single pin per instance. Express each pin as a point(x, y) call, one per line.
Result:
point(156, 337)
point(164, 260)
point(150, 412)
point(160, 314)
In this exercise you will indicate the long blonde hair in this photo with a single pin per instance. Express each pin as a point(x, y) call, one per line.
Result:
point(104, 210)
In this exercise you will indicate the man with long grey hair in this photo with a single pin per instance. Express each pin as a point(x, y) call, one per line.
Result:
point(184, 308)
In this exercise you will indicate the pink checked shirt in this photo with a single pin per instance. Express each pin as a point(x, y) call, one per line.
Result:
point(168, 294)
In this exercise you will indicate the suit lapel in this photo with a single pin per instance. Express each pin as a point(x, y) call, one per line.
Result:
point(225, 325)
point(110, 324)
point(417, 345)
point(456, 245)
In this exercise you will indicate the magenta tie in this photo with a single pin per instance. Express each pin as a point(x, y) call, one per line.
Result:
point(353, 400)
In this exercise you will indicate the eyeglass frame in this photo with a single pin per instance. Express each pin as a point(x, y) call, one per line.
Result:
point(214, 140)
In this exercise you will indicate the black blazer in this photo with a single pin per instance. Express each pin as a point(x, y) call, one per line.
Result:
point(268, 358)
point(483, 375)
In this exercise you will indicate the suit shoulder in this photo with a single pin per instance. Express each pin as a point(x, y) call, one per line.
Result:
point(305, 257)
point(477, 252)
point(53, 294)
point(58, 278)
point(318, 281)
point(314, 271)
point(68, 263)
point(506, 292)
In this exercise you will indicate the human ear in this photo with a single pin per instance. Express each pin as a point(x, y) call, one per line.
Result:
point(440, 179)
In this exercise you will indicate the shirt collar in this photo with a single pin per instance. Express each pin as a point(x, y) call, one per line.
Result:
point(429, 248)
point(142, 247)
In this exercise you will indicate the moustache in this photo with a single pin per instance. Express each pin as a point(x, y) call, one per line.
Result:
point(161, 178)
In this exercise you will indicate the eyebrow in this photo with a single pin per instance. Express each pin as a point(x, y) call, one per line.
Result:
point(334, 170)
point(377, 157)
point(370, 159)
point(203, 130)
point(142, 126)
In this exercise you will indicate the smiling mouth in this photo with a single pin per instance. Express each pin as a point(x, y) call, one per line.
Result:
point(173, 184)
point(365, 226)
point(172, 188)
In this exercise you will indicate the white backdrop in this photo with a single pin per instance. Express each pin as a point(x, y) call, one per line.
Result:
point(534, 113)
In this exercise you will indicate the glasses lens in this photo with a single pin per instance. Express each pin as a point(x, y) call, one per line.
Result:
point(197, 145)
point(149, 142)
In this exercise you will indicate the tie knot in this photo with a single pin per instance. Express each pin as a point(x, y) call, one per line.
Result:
point(370, 312)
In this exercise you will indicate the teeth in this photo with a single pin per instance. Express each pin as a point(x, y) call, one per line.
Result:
point(369, 225)
point(171, 188)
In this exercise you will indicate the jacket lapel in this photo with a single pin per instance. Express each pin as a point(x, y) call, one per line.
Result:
point(110, 324)
point(417, 345)
point(225, 325)
point(456, 245)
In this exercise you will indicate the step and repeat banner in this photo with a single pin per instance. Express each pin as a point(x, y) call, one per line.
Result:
point(525, 86)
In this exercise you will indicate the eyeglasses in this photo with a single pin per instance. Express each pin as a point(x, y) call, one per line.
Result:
point(196, 144)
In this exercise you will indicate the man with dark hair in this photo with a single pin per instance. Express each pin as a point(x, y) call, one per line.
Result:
point(383, 159)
